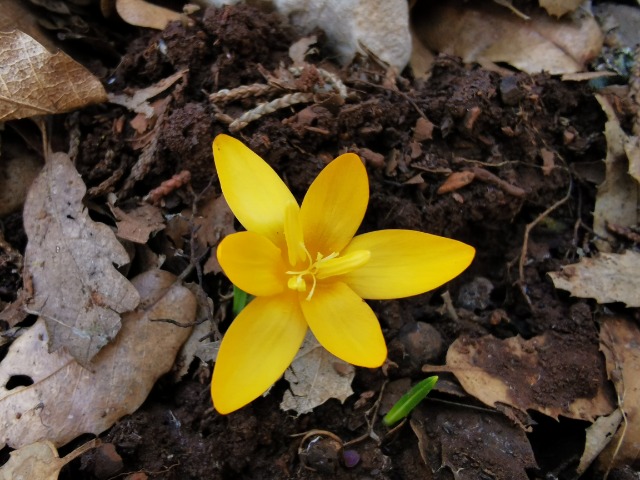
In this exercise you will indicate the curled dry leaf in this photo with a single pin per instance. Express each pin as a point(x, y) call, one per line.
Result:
point(77, 290)
point(620, 342)
point(314, 377)
point(484, 31)
point(39, 461)
point(144, 14)
point(35, 82)
point(618, 195)
point(533, 374)
point(609, 277)
point(66, 399)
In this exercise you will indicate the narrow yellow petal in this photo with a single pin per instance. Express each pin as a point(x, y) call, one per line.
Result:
point(254, 192)
point(256, 350)
point(252, 263)
point(293, 235)
point(405, 263)
point(345, 325)
point(334, 205)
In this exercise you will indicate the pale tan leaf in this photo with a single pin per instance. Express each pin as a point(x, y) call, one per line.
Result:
point(484, 31)
point(39, 461)
point(599, 435)
point(314, 377)
point(620, 342)
point(36, 82)
point(70, 258)
point(531, 374)
point(560, 7)
point(66, 399)
point(618, 195)
point(144, 14)
point(609, 277)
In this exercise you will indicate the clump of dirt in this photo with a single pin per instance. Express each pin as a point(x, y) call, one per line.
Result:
point(412, 134)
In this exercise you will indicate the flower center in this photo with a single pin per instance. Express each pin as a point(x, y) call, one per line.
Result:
point(323, 267)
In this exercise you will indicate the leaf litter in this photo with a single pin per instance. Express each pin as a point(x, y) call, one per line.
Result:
point(64, 399)
point(77, 291)
point(501, 123)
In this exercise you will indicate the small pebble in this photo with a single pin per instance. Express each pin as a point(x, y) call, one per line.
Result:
point(476, 295)
point(422, 343)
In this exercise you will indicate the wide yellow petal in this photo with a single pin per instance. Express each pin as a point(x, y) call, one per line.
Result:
point(253, 263)
point(405, 263)
point(345, 325)
point(334, 205)
point(256, 350)
point(254, 191)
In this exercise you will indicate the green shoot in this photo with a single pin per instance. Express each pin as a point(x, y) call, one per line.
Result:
point(409, 401)
point(240, 300)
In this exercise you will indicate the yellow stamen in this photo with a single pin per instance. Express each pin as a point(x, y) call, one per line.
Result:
point(325, 267)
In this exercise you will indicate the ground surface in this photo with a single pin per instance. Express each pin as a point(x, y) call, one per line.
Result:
point(412, 134)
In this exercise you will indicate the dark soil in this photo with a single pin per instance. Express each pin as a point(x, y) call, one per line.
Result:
point(411, 134)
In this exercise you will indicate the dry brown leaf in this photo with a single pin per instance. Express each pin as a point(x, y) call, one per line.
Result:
point(138, 224)
point(143, 14)
point(15, 15)
point(39, 461)
point(484, 31)
point(70, 258)
point(471, 444)
point(533, 374)
point(609, 277)
point(620, 343)
point(560, 7)
point(618, 195)
point(314, 377)
point(139, 101)
point(36, 82)
point(66, 399)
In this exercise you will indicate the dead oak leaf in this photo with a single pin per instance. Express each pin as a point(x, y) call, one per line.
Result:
point(76, 288)
point(314, 377)
point(40, 461)
point(66, 399)
point(609, 277)
point(533, 374)
point(34, 81)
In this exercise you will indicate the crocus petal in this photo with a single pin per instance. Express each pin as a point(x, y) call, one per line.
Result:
point(345, 325)
point(405, 263)
point(334, 205)
point(256, 350)
point(254, 192)
point(253, 263)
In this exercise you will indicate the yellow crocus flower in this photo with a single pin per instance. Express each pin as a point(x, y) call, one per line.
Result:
point(307, 270)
